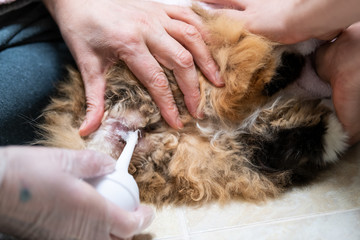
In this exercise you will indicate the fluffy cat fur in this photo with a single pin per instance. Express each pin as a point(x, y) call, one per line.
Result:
point(254, 141)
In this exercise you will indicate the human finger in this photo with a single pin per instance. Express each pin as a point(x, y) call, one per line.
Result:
point(87, 163)
point(178, 59)
point(82, 164)
point(126, 224)
point(188, 29)
point(330, 36)
point(237, 15)
point(188, 36)
point(148, 71)
point(92, 73)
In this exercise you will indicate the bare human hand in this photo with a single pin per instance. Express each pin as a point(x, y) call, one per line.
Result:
point(144, 35)
point(339, 64)
point(292, 21)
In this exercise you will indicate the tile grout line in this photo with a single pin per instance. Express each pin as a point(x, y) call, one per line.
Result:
point(280, 220)
point(184, 227)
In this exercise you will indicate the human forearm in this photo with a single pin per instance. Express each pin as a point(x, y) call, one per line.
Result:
point(292, 21)
point(338, 63)
point(322, 18)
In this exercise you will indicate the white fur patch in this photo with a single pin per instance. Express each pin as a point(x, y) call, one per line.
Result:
point(335, 140)
point(104, 139)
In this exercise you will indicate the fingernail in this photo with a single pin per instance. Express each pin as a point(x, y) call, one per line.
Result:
point(82, 127)
point(219, 79)
point(179, 123)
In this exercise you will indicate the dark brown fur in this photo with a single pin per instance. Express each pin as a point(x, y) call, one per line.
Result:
point(249, 145)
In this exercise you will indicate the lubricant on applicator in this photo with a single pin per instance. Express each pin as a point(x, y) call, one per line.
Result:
point(119, 186)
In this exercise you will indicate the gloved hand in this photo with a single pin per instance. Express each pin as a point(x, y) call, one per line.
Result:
point(42, 196)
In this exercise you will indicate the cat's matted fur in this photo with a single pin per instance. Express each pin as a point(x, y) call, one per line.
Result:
point(253, 142)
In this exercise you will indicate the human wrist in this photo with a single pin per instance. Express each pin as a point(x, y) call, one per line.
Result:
point(299, 21)
point(57, 7)
point(321, 19)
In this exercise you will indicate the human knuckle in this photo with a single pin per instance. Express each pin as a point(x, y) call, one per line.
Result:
point(93, 100)
point(132, 39)
point(186, 12)
point(192, 93)
point(184, 58)
point(127, 46)
point(191, 33)
point(158, 80)
point(144, 18)
point(171, 106)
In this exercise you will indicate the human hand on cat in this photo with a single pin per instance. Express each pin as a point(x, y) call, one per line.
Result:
point(338, 63)
point(43, 197)
point(292, 21)
point(144, 35)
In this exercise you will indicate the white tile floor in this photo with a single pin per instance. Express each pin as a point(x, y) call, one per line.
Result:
point(328, 209)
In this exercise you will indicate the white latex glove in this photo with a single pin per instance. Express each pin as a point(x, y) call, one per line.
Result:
point(43, 197)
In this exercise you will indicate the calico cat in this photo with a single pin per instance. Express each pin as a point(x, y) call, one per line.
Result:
point(256, 138)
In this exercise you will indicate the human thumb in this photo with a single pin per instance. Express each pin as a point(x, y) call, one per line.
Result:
point(80, 163)
point(94, 90)
point(126, 224)
point(146, 215)
point(84, 163)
